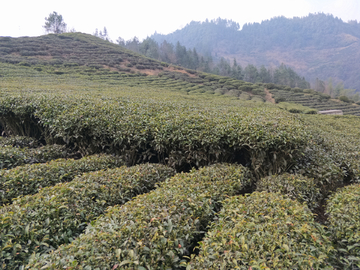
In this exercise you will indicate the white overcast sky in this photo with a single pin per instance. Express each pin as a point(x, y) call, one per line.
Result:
point(141, 18)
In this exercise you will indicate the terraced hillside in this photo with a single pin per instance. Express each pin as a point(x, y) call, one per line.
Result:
point(103, 168)
point(312, 99)
point(86, 56)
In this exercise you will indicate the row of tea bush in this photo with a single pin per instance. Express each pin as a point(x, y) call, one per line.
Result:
point(58, 214)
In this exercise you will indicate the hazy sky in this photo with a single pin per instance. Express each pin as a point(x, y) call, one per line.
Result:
point(143, 17)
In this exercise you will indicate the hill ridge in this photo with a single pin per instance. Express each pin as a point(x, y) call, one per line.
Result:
point(306, 40)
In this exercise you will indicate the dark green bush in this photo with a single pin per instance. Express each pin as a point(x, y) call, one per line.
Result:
point(28, 179)
point(311, 111)
point(294, 110)
point(56, 215)
point(246, 87)
point(280, 99)
point(309, 91)
point(320, 164)
point(19, 141)
point(296, 187)
point(297, 90)
point(258, 91)
point(10, 157)
point(345, 99)
point(264, 231)
point(343, 209)
point(271, 86)
point(168, 132)
point(155, 230)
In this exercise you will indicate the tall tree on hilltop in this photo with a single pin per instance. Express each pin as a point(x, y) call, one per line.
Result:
point(251, 74)
point(149, 48)
point(102, 34)
point(55, 23)
point(167, 53)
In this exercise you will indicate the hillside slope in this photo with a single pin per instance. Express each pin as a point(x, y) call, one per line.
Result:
point(73, 56)
point(197, 124)
point(316, 46)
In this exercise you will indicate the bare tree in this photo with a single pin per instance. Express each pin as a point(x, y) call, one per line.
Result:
point(55, 23)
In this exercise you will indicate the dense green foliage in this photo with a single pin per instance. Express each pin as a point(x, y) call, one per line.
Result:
point(142, 110)
point(11, 157)
point(155, 230)
point(264, 231)
point(58, 214)
point(176, 134)
point(29, 179)
point(296, 187)
point(343, 209)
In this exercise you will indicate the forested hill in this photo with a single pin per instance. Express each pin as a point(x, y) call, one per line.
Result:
point(316, 46)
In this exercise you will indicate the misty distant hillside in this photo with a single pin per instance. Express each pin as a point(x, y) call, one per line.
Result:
point(316, 46)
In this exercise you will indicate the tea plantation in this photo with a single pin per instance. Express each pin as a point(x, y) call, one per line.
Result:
point(110, 160)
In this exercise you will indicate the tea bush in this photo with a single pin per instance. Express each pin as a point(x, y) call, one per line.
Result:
point(175, 134)
point(28, 179)
point(296, 187)
point(264, 231)
point(19, 141)
point(343, 209)
point(10, 157)
point(155, 230)
point(57, 215)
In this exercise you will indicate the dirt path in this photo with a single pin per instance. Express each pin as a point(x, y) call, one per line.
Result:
point(268, 96)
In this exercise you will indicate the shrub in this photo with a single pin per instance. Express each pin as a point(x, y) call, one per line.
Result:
point(56, 215)
point(271, 86)
point(264, 231)
point(343, 209)
point(279, 99)
point(28, 179)
point(10, 157)
point(258, 91)
point(246, 87)
point(234, 93)
point(19, 141)
point(155, 230)
point(309, 91)
point(322, 165)
point(296, 187)
point(294, 110)
point(297, 90)
point(166, 132)
point(345, 99)
point(311, 111)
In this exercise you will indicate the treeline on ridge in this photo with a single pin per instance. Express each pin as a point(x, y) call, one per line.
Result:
point(190, 58)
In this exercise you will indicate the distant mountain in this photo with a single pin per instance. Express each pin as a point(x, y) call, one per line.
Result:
point(317, 46)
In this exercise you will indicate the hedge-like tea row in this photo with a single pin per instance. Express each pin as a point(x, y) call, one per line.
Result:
point(334, 152)
point(264, 231)
point(155, 230)
point(178, 134)
point(19, 141)
point(343, 209)
point(296, 187)
point(10, 157)
point(27, 179)
point(58, 214)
